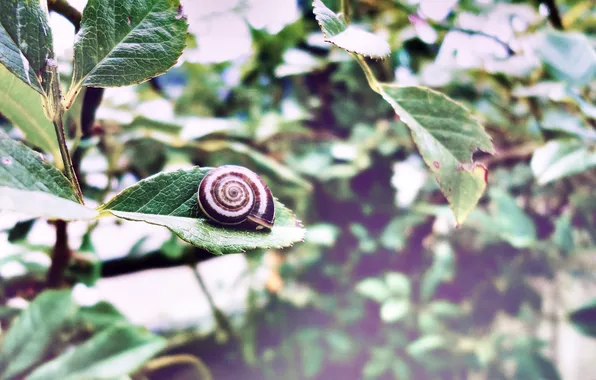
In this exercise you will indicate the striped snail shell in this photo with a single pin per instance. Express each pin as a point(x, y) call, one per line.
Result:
point(234, 195)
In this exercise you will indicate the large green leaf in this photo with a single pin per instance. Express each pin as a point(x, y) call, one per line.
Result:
point(569, 55)
point(22, 106)
point(349, 38)
point(26, 48)
point(584, 318)
point(126, 42)
point(30, 184)
point(34, 332)
point(170, 200)
point(446, 135)
point(562, 158)
point(25, 40)
point(110, 354)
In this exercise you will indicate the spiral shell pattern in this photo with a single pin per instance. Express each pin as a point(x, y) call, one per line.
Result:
point(234, 195)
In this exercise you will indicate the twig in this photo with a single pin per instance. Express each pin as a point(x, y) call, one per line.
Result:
point(221, 319)
point(60, 256)
point(554, 16)
point(68, 11)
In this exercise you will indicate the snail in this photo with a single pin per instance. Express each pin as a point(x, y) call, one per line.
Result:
point(235, 196)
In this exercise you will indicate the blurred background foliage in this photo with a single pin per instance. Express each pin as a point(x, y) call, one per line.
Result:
point(384, 286)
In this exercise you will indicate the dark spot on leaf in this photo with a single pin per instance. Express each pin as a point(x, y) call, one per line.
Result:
point(436, 164)
point(128, 20)
point(6, 161)
point(180, 13)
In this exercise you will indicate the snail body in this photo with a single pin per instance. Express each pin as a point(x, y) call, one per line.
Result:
point(233, 195)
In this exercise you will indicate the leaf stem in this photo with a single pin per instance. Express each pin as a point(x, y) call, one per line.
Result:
point(370, 76)
point(68, 166)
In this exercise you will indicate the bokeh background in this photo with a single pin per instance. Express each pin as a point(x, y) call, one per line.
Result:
point(384, 286)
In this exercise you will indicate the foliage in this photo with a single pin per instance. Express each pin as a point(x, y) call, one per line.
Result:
point(440, 156)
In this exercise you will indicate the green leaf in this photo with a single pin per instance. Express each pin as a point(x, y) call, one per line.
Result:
point(352, 39)
point(26, 48)
point(424, 345)
point(25, 41)
point(126, 42)
point(398, 284)
point(114, 352)
point(569, 55)
point(30, 184)
point(170, 200)
point(510, 221)
point(563, 235)
point(22, 106)
point(373, 288)
point(446, 135)
point(101, 315)
point(394, 235)
point(394, 310)
point(561, 158)
point(35, 331)
point(584, 318)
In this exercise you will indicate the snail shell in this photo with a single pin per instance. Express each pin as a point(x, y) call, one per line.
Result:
point(234, 195)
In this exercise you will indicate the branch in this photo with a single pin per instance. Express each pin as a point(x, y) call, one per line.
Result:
point(68, 11)
point(60, 256)
point(91, 101)
point(554, 16)
point(152, 260)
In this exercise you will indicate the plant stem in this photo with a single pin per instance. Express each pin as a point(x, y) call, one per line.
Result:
point(68, 166)
point(345, 10)
point(60, 256)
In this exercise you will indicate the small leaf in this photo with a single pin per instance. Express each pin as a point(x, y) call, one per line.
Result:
point(584, 318)
point(22, 106)
point(569, 55)
point(563, 235)
point(373, 288)
point(34, 332)
point(395, 233)
point(561, 158)
point(126, 42)
point(349, 38)
point(30, 184)
point(170, 200)
point(425, 345)
point(394, 310)
point(446, 135)
point(114, 352)
point(511, 222)
point(398, 284)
